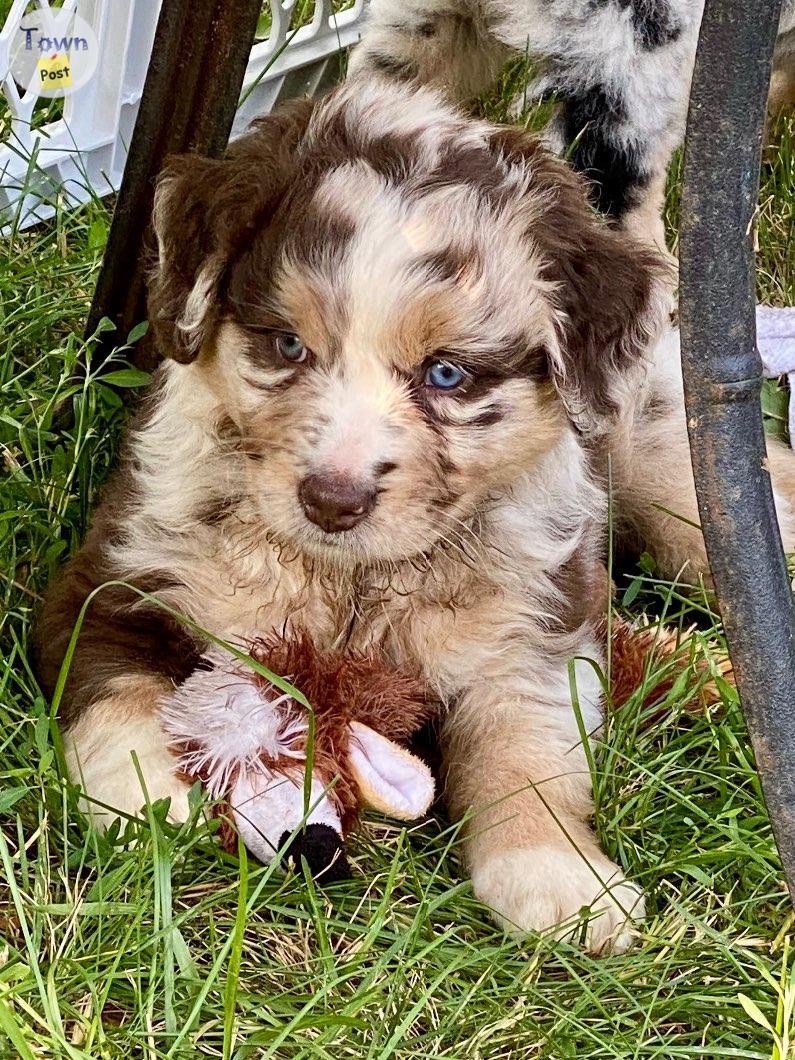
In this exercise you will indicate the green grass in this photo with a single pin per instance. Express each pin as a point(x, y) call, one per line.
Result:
point(163, 946)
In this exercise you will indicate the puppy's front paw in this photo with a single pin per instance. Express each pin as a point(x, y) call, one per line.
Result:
point(100, 760)
point(545, 887)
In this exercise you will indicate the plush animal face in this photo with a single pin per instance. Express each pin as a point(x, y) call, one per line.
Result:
point(250, 744)
point(400, 311)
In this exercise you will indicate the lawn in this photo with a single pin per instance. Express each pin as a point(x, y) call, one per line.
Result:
point(150, 942)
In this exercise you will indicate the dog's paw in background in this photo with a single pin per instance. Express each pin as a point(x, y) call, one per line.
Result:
point(552, 887)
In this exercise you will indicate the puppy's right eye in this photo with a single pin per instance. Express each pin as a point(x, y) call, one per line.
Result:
point(291, 348)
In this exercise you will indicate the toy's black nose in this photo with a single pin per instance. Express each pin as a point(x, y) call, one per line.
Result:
point(335, 502)
point(322, 848)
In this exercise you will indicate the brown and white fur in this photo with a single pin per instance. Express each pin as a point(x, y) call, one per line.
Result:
point(464, 528)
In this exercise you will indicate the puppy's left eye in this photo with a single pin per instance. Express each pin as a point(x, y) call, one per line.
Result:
point(291, 348)
point(444, 376)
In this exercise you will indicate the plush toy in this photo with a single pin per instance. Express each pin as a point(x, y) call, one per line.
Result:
point(250, 743)
point(652, 658)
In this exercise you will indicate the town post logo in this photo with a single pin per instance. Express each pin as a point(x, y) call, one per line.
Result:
point(53, 52)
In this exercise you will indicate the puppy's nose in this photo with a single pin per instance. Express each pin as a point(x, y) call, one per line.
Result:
point(335, 502)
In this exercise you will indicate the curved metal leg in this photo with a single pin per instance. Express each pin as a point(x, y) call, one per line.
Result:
point(723, 378)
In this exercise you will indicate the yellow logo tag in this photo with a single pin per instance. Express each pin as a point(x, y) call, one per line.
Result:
point(55, 73)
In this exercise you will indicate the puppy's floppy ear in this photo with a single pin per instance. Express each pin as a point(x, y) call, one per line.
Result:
point(205, 210)
point(615, 301)
point(612, 291)
point(191, 255)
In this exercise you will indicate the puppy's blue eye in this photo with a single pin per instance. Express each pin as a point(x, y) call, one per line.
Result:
point(444, 376)
point(291, 348)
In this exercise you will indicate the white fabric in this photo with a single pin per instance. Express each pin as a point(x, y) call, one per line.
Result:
point(775, 339)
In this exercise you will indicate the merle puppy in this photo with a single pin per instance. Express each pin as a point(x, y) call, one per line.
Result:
point(621, 70)
point(399, 346)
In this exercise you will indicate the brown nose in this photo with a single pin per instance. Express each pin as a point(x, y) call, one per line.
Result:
point(334, 502)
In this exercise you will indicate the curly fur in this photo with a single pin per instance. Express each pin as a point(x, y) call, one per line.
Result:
point(386, 230)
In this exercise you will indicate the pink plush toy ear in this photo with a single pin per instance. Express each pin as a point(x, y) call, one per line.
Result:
point(390, 779)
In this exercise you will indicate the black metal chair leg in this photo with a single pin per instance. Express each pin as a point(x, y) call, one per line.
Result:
point(723, 379)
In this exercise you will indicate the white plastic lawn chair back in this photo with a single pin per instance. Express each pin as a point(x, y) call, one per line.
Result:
point(299, 62)
point(81, 154)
